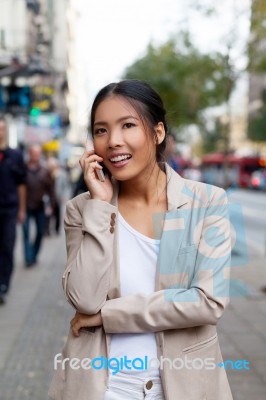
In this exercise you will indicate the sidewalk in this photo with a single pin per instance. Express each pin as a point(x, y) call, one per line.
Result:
point(34, 325)
point(242, 332)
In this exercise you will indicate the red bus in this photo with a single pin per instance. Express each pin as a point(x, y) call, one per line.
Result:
point(239, 169)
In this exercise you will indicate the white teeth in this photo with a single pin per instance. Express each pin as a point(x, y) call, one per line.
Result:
point(120, 158)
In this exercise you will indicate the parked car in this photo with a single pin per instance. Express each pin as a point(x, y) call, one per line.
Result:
point(258, 180)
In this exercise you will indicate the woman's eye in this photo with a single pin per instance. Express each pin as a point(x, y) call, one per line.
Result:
point(128, 125)
point(99, 131)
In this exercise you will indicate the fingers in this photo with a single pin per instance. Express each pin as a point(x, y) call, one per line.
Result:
point(95, 165)
point(90, 164)
point(88, 158)
point(75, 331)
point(79, 321)
point(75, 326)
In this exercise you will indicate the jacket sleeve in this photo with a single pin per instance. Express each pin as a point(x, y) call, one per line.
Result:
point(201, 303)
point(89, 243)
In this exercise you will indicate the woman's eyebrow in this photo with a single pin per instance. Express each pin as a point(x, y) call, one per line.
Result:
point(119, 120)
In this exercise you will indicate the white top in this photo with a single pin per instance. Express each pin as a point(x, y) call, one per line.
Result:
point(138, 259)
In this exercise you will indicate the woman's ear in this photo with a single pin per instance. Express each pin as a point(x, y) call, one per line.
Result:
point(159, 133)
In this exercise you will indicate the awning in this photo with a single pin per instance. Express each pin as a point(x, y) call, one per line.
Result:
point(14, 71)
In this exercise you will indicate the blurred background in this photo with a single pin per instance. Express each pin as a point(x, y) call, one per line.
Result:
point(207, 59)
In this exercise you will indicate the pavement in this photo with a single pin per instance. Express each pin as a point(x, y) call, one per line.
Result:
point(34, 325)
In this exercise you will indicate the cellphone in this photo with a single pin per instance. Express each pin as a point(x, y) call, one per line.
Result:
point(99, 172)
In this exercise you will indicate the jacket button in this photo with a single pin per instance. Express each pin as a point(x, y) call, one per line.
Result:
point(149, 385)
point(112, 222)
point(112, 229)
point(113, 215)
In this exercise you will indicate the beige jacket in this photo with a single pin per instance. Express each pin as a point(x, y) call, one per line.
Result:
point(192, 284)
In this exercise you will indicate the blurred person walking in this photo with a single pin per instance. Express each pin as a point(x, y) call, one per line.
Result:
point(12, 205)
point(80, 186)
point(62, 192)
point(170, 152)
point(40, 190)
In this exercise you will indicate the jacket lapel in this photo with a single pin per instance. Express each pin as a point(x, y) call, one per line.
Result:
point(176, 193)
point(172, 226)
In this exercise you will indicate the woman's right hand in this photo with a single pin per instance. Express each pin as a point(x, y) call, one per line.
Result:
point(98, 190)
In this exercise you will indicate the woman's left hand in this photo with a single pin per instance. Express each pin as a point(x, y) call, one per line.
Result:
point(84, 320)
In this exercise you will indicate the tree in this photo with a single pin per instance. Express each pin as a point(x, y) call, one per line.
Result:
point(212, 137)
point(257, 42)
point(257, 123)
point(257, 67)
point(188, 81)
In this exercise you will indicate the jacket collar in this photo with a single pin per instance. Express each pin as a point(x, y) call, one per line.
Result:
point(176, 196)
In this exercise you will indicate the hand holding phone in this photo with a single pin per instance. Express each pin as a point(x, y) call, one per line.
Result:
point(99, 172)
point(98, 184)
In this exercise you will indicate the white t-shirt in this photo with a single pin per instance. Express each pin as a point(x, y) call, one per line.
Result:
point(138, 259)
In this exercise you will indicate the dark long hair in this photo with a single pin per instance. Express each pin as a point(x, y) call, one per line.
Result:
point(145, 100)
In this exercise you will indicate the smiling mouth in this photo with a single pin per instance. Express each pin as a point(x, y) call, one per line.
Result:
point(120, 158)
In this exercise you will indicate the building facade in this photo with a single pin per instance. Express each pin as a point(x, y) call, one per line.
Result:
point(77, 98)
point(257, 55)
point(33, 59)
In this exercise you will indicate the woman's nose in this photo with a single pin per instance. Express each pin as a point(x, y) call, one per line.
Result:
point(115, 138)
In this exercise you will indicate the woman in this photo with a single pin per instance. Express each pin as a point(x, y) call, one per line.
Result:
point(147, 268)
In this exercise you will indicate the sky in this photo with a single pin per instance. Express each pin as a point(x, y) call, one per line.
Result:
point(112, 34)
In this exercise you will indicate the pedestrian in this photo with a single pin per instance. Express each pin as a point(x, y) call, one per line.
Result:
point(40, 196)
point(148, 255)
point(61, 190)
point(170, 152)
point(12, 205)
point(80, 186)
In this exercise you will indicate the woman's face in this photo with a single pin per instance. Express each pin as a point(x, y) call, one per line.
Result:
point(120, 138)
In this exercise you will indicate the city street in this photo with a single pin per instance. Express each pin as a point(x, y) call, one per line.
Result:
point(176, 82)
point(253, 204)
point(34, 323)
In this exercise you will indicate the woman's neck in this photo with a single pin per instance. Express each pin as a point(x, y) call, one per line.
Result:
point(148, 189)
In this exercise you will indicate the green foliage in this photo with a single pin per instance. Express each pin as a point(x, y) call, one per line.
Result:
point(212, 138)
point(257, 123)
point(188, 81)
point(257, 43)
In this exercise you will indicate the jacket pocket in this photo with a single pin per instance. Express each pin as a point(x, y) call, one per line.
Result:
point(200, 345)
